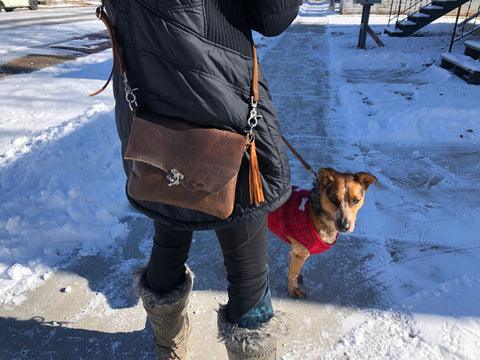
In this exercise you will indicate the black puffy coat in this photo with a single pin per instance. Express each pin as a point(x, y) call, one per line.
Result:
point(192, 59)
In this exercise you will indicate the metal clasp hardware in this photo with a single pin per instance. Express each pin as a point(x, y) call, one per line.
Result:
point(316, 180)
point(174, 177)
point(252, 120)
point(129, 95)
point(99, 12)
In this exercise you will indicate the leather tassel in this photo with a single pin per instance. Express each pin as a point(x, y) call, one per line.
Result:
point(256, 189)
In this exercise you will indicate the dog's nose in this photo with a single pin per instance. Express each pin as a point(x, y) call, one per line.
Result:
point(343, 226)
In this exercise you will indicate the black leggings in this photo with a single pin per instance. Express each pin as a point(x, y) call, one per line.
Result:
point(244, 249)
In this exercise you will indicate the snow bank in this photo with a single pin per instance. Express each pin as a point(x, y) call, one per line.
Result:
point(61, 175)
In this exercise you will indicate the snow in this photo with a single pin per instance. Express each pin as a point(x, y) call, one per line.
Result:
point(410, 122)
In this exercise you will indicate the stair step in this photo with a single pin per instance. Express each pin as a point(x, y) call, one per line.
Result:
point(408, 27)
point(472, 44)
point(394, 32)
point(407, 23)
point(463, 61)
point(432, 7)
point(462, 65)
point(472, 52)
point(420, 19)
point(447, 2)
point(419, 15)
point(434, 11)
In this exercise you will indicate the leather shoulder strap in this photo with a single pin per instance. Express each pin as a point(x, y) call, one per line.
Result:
point(255, 75)
point(102, 15)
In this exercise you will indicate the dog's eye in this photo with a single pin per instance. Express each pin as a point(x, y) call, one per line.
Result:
point(335, 201)
point(355, 201)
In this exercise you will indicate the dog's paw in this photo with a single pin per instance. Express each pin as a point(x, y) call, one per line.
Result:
point(297, 293)
point(300, 279)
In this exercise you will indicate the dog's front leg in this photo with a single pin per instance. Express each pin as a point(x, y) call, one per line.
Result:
point(298, 255)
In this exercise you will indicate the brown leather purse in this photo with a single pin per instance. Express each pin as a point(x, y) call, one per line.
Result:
point(178, 163)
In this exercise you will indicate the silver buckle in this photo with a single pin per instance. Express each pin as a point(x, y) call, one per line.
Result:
point(174, 177)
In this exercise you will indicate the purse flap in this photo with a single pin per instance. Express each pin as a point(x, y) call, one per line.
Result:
point(206, 158)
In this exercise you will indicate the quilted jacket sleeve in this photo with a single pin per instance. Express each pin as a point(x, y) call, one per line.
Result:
point(270, 17)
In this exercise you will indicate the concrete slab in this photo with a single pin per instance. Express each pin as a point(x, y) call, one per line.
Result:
point(78, 323)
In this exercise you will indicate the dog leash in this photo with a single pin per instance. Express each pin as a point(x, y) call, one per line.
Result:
point(304, 163)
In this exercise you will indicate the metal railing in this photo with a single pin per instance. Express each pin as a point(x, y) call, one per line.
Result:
point(467, 26)
point(334, 5)
point(404, 9)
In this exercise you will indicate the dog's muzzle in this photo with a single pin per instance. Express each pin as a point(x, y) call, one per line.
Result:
point(342, 225)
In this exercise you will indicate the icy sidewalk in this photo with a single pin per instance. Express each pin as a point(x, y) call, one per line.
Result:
point(88, 310)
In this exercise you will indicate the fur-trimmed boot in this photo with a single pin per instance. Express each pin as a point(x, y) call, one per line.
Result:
point(259, 342)
point(167, 313)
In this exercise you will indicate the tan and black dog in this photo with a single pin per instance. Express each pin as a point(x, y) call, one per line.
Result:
point(311, 220)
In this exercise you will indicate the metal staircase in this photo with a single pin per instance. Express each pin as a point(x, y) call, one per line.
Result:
point(411, 17)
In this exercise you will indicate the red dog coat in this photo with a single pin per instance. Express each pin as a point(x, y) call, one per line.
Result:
point(293, 219)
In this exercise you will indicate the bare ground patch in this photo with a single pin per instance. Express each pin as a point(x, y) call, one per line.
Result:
point(34, 62)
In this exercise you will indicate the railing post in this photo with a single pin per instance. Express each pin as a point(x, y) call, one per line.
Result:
point(332, 5)
point(398, 14)
point(455, 26)
point(364, 26)
point(390, 14)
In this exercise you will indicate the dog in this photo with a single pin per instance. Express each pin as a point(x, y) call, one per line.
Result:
point(310, 221)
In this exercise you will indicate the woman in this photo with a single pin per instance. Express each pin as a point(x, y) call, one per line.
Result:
point(192, 59)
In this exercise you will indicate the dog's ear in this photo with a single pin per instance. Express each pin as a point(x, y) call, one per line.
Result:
point(365, 179)
point(326, 176)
